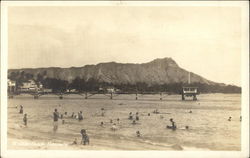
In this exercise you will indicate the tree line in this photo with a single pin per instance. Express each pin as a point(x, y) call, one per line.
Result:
point(81, 85)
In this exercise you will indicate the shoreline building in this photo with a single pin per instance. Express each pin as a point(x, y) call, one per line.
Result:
point(189, 91)
point(30, 86)
point(11, 86)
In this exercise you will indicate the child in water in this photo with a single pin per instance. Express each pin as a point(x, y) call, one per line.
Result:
point(74, 142)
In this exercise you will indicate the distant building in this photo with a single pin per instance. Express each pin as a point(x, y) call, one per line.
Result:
point(111, 90)
point(108, 90)
point(46, 90)
point(11, 86)
point(30, 86)
point(101, 89)
point(71, 90)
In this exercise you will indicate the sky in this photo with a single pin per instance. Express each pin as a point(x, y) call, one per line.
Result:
point(204, 40)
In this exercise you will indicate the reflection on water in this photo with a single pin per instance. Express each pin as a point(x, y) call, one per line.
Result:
point(208, 123)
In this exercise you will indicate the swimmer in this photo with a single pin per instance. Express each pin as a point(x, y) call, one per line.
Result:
point(102, 114)
point(229, 119)
point(102, 124)
point(130, 116)
point(187, 127)
point(137, 118)
point(138, 134)
point(25, 119)
point(148, 114)
point(190, 111)
point(134, 122)
point(65, 113)
point(156, 111)
point(173, 124)
point(118, 120)
point(114, 128)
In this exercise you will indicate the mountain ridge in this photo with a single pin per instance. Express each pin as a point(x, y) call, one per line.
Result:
point(157, 71)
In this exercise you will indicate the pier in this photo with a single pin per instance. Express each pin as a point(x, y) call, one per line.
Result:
point(189, 92)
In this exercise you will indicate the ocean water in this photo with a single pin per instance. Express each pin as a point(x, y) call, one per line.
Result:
point(209, 128)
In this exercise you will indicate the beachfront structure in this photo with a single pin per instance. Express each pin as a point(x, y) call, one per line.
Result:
point(108, 90)
point(30, 86)
point(46, 90)
point(11, 86)
point(189, 92)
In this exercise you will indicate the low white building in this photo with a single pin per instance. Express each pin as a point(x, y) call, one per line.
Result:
point(29, 86)
point(11, 85)
point(110, 90)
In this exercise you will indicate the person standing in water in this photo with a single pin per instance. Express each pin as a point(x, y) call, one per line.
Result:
point(80, 117)
point(114, 128)
point(55, 118)
point(138, 134)
point(21, 109)
point(102, 109)
point(73, 114)
point(85, 137)
point(130, 116)
point(137, 116)
point(25, 119)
